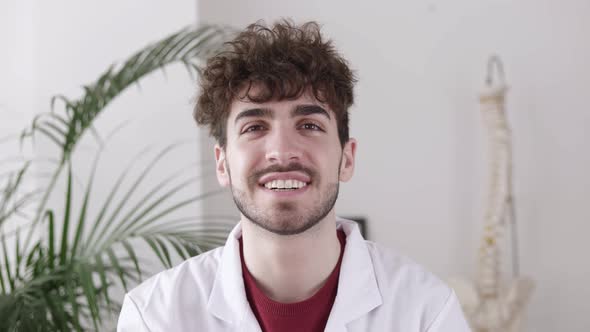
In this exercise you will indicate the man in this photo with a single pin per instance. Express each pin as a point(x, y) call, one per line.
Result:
point(277, 103)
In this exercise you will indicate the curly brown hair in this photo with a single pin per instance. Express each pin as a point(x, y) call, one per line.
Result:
point(283, 62)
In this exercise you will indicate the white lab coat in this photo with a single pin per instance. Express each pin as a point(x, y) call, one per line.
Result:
point(378, 290)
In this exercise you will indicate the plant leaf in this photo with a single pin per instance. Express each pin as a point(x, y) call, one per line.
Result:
point(51, 240)
point(132, 255)
point(115, 263)
point(64, 237)
point(82, 217)
point(7, 264)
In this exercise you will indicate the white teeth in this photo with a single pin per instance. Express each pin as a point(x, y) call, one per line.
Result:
point(299, 184)
point(285, 184)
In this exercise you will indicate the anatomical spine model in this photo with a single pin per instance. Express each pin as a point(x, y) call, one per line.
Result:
point(492, 302)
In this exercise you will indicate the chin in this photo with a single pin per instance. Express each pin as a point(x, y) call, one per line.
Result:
point(288, 225)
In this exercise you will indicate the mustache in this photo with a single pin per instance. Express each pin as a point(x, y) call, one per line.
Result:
point(291, 167)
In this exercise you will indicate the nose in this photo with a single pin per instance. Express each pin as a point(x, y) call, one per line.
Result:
point(282, 147)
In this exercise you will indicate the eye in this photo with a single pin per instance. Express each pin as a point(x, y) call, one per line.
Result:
point(252, 128)
point(311, 126)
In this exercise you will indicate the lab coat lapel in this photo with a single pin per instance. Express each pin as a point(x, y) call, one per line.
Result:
point(358, 292)
point(228, 297)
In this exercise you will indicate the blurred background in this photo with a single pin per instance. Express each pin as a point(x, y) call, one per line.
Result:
point(421, 173)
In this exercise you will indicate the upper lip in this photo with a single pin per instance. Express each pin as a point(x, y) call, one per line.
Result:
point(284, 176)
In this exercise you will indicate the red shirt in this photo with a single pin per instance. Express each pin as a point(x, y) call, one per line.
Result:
point(308, 315)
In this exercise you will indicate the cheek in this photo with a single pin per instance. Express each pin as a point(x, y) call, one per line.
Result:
point(328, 163)
point(240, 165)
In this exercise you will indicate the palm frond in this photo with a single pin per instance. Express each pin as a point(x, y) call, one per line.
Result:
point(123, 202)
point(7, 205)
point(186, 46)
point(62, 281)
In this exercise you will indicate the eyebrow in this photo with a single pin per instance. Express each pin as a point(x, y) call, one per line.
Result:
point(254, 113)
point(301, 110)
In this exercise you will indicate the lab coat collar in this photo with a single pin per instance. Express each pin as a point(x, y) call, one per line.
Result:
point(358, 292)
point(228, 296)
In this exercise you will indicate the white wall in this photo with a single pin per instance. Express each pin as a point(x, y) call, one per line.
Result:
point(421, 170)
point(16, 68)
point(17, 82)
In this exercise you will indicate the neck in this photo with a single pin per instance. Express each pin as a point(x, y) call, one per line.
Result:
point(291, 268)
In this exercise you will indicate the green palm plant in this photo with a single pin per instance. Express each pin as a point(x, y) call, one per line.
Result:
point(62, 280)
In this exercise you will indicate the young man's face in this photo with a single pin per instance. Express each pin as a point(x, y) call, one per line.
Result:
point(283, 162)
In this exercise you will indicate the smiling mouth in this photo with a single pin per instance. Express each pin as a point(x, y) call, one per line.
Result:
point(284, 185)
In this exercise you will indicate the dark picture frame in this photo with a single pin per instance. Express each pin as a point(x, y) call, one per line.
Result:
point(362, 223)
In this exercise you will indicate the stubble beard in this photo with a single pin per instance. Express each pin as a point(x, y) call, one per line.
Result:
point(285, 218)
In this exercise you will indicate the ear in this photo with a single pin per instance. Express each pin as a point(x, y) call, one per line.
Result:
point(221, 166)
point(347, 163)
